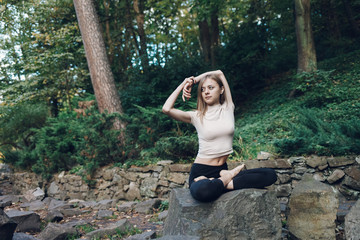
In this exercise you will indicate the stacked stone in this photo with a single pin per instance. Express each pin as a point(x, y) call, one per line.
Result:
point(156, 181)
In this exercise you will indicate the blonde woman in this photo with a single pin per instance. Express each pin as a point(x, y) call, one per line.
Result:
point(214, 122)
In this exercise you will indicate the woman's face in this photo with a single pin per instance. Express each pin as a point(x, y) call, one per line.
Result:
point(211, 91)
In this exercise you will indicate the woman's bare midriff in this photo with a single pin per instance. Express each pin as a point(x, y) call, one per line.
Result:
point(212, 161)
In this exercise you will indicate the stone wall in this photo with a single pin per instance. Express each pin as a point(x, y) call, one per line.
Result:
point(156, 181)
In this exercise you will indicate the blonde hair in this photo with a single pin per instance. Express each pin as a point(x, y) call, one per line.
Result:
point(201, 105)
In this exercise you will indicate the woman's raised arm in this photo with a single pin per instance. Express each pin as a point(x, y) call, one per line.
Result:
point(168, 107)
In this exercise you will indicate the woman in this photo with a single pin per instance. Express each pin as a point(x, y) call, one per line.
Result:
point(214, 123)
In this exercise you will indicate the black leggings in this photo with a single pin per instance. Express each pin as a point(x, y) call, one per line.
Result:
point(207, 190)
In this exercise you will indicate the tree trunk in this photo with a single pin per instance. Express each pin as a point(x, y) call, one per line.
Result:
point(351, 19)
point(107, 32)
point(101, 76)
point(304, 37)
point(215, 38)
point(205, 39)
point(140, 20)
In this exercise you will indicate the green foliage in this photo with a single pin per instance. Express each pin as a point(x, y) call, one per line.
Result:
point(311, 133)
point(67, 141)
point(19, 125)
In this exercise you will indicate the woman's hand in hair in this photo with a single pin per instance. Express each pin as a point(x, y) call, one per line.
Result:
point(188, 83)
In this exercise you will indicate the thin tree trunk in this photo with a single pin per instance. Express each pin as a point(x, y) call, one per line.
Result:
point(140, 20)
point(215, 38)
point(304, 37)
point(205, 39)
point(107, 32)
point(351, 19)
point(101, 76)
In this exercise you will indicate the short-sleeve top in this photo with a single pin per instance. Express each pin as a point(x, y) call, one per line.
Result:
point(215, 131)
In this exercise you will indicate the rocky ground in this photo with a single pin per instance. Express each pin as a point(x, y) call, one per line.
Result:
point(87, 220)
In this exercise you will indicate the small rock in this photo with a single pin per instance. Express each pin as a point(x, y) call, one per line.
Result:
point(104, 214)
point(55, 231)
point(143, 236)
point(335, 176)
point(23, 236)
point(54, 216)
point(121, 225)
point(147, 206)
point(127, 206)
point(163, 215)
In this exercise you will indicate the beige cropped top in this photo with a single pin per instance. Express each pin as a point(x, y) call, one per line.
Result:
point(216, 131)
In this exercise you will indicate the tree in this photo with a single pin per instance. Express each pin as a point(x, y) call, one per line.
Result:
point(304, 37)
point(101, 76)
point(140, 19)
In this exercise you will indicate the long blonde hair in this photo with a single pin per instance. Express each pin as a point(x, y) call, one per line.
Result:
point(201, 105)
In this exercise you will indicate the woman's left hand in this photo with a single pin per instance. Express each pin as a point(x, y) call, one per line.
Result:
point(189, 82)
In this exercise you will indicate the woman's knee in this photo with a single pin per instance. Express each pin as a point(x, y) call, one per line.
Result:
point(206, 190)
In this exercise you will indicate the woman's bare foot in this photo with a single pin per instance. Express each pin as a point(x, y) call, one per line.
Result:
point(201, 178)
point(233, 172)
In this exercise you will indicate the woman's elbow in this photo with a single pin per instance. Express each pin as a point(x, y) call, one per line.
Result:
point(165, 110)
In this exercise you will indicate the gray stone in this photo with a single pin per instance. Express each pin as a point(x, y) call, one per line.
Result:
point(278, 164)
point(351, 183)
point(23, 236)
point(316, 161)
point(54, 216)
point(335, 176)
point(7, 226)
point(264, 155)
point(69, 212)
point(340, 161)
point(143, 236)
point(57, 204)
point(283, 178)
point(348, 192)
point(164, 162)
point(283, 190)
point(121, 225)
point(27, 221)
point(352, 222)
point(36, 205)
point(184, 168)
point(53, 189)
point(127, 206)
point(147, 206)
point(133, 192)
point(293, 160)
point(104, 214)
point(104, 204)
point(353, 172)
point(55, 231)
point(319, 177)
point(148, 187)
point(8, 199)
point(242, 214)
point(163, 215)
point(313, 206)
point(300, 170)
point(34, 194)
point(178, 237)
point(5, 168)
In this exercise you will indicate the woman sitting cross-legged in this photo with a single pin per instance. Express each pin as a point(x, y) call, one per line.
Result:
point(214, 122)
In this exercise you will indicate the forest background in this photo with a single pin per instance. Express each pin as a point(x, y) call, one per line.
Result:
point(293, 96)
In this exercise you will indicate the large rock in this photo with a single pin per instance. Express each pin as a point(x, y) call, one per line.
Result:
point(313, 206)
point(55, 231)
point(242, 214)
point(27, 221)
point(7, 226)
point(352, 222)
